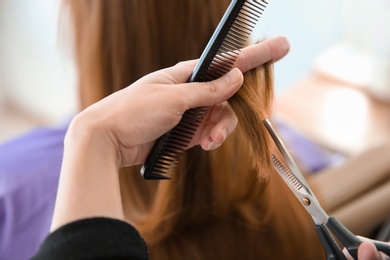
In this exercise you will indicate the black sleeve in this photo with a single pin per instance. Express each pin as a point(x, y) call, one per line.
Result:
point(94, 238)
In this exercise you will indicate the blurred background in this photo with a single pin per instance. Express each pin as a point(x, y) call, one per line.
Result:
point(37, 81)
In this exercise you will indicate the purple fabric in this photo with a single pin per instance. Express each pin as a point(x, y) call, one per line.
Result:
point(310, 156)
point(29, 173)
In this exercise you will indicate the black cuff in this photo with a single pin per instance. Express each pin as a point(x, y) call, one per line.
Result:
point(94, 238)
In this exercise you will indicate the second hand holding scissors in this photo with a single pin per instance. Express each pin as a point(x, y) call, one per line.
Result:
point(323, 223)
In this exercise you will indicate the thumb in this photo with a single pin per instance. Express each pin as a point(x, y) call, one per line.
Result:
point(213, 92)
point(368, 251)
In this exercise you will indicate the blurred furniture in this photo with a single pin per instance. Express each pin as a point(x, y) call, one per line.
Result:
point(344, 118)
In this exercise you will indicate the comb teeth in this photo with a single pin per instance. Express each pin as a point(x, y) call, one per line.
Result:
point(165, 156)
point(286, 172)
point(217, 59)
point(240, 29)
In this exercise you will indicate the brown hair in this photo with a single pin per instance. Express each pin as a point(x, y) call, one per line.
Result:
point(215, 206)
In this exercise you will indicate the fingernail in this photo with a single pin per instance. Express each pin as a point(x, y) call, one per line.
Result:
point(213, 145)
point(224, 133)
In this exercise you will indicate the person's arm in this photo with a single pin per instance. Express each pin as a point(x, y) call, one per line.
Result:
point(120, 130)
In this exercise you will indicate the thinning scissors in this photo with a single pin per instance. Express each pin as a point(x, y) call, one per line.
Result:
point(323, 223)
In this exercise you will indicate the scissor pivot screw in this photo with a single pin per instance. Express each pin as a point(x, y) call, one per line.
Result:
point(306, 201)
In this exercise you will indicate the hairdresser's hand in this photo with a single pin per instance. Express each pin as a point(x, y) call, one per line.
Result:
point(367, 251)
point(121, 129)
point(132, 119)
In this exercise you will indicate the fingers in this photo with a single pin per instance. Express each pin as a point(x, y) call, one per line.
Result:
point(256, 55)
point(250, 57)
point(368, 251)
point(210, 93)
point(221, 123)
point(181, 72)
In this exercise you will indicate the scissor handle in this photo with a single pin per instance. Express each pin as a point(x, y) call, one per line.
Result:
point(346, 237)
point(350, 241)
point(331, 248)
point(382, 246)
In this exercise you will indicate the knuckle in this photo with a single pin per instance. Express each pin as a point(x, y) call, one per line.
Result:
point(180, 63)
point(212, 87)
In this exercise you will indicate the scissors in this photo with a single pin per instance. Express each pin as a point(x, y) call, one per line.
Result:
point(323, 223)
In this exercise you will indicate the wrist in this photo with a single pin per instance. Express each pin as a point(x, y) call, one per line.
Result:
point(90, 138)
point(89, 182)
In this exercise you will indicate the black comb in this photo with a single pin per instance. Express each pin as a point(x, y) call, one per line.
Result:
point(217, 59)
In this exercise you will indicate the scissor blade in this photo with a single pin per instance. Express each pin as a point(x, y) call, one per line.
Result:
point(301, 191)
point(283, 150)
point(294, 179)
point(287, 175)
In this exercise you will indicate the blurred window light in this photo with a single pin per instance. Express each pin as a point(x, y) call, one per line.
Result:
point(345, 115)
